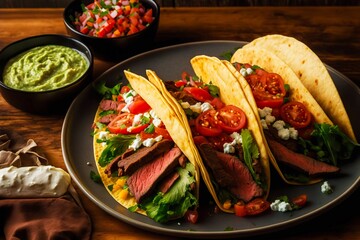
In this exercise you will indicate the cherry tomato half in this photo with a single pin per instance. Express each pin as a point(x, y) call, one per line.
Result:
point(139, 106)
point(268, 88)
point(199, 94)
point(122, 122)
point(257, 206)
point(231, 119)
point(206, 124)
point(300, 200)
point(296, 114)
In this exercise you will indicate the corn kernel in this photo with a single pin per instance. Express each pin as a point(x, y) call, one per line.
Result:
point(123, 194)
point(227, 204)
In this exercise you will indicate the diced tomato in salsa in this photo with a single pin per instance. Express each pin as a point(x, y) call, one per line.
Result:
point(104, 19)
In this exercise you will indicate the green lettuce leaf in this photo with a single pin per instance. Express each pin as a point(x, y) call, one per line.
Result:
point(174, 203)
point(251, 151)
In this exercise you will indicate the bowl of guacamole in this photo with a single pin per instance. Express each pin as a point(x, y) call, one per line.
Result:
point(43, 74)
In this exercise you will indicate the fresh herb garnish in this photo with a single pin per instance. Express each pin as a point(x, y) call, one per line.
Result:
point(251, 151)
point(95, 177)
point(116, 146)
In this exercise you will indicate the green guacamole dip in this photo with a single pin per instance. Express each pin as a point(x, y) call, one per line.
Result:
point(45, 68)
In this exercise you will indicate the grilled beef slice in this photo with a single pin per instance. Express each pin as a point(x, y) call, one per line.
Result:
point(230, 173)
point(131, 163)
point(168, 182)
point(113, 165)
point(107, 104)
point(299, 161)
point(144, 179)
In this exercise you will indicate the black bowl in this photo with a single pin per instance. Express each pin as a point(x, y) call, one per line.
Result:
point(118, 48)
point(44, 102)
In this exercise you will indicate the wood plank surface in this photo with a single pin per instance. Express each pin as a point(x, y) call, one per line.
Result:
point(332, 32)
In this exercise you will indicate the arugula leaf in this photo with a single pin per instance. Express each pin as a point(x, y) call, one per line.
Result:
point(150, 128)
point(176, 201)
point(251, 151)
point(329, 143)
point(116, 146)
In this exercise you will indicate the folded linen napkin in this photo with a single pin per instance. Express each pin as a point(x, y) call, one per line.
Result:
point(31, 209)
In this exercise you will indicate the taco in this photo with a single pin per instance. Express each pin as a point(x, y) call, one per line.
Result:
point(224, 134)
point(312, 73)
point(303, 144)
point(141, 155)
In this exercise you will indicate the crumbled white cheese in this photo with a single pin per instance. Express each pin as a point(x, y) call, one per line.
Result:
point(205, 106)
point(228, 148)
point(269, 119)
point(237, 137)
point(264, 112)
point(185, 105)
point(264, 124)
point(279, 124)
point(243, 72)
point(103, 135)
point(136, 143)
point(326, 188)
point(284, 133)
point(196, 107)
point(293, 133)
point(280, 206)
point(157, 122)
point(150, 141)
point(249, 71)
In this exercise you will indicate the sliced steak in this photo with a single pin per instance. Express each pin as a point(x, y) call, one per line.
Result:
point(113, 165)
point(131, 163)
point(299, 161)
point(272, 133)
point(107, 104)
point(209, 155)
point(168, 182)
point(231, 173)
point(144, 180)
point(107, 118)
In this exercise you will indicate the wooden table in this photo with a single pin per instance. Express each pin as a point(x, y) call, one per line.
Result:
point(332, 32)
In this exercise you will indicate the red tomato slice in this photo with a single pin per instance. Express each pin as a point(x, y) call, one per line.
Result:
point(268, 88)
point(231, 119)
point(217, 103)
point(139, 106)
point(257, 206)
point(198, 93)
point(296, 114)
point(124, 89)
point(300, 200)
point(122, 122)
point(163, 132)
point(207, 125)
point(271, 103)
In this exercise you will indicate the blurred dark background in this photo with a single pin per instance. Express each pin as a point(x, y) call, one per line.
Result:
point(193, 3)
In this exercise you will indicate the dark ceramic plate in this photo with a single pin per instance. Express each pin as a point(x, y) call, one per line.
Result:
point(169, 62)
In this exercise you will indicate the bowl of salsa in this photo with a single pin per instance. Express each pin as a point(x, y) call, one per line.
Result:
point(42, 74)
point(113, 29)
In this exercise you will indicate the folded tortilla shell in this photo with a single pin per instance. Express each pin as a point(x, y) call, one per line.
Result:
point(211, 69)
point(271, 63)
point(313, 74)
point(168, 116)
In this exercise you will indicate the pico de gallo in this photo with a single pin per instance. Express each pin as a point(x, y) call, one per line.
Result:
point(224, 127)
point(112, 18)
point(293, 121)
